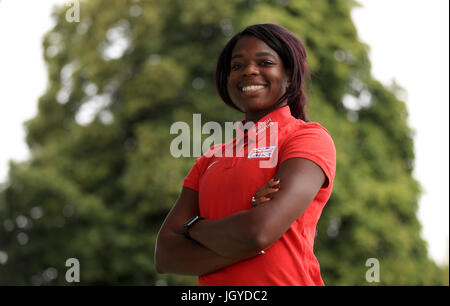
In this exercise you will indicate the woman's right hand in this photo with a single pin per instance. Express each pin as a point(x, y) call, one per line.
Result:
point(264, 193)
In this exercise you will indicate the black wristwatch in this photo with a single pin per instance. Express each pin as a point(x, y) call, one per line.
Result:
point(188, 224)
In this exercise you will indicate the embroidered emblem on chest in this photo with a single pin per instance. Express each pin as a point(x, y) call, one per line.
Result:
point(261, 152)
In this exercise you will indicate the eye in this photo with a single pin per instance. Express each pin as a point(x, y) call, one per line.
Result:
point(266, 63)
point(235, 66)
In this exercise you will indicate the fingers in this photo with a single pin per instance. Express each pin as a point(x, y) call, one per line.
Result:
point(274, 182)
point(272, 186)
point(266, 190)
point(271, 190)
point(260, 200)
point(261, 195)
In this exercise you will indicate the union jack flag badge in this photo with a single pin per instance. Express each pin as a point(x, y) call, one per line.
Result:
point(261, 152)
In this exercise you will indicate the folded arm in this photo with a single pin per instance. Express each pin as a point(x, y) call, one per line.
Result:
point(176, 254)
point(256, 229)
point(223, 242)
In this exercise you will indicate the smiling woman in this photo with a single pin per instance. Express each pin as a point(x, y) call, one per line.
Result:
point(233, 224)
point(276, 56)
point(257, 79)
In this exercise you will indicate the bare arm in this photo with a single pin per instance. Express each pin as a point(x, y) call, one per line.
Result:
point(176, 254)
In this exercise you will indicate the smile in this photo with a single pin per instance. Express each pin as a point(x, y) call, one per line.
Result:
point(252, 88)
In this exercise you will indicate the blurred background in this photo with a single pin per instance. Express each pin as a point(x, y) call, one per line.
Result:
point(86, 108)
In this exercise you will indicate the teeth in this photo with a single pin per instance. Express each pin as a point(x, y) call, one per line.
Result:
point(252, 87)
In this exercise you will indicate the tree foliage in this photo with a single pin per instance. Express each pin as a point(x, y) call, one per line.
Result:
point(101, 178)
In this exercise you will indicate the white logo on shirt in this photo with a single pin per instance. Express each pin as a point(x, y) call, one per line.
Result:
point(212, 164)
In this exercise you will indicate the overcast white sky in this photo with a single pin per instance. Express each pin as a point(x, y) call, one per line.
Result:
point(409, 42)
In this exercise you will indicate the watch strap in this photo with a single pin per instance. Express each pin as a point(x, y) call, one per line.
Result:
point(188, 224)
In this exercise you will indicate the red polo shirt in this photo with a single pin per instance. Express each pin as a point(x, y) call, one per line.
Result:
point(226, 185)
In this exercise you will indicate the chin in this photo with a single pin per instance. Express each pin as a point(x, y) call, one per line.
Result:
point(259, 107)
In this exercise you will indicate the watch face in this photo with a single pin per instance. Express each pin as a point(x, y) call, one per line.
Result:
point(192, 220)
point(188, 224)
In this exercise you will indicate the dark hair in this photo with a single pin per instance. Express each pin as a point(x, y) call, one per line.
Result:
point(291, 51)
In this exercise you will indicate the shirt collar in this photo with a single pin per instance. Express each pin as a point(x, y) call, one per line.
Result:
point(278, 115)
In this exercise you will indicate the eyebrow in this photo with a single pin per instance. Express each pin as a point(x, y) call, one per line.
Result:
point(257, 54)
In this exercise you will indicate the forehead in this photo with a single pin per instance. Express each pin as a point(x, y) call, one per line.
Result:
point(250, 46)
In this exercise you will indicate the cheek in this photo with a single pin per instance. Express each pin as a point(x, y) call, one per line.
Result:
point(232, 86)
point(230, 89)
point(277, 83)
point(280, 82)
point(230, 82)
point(233, 94)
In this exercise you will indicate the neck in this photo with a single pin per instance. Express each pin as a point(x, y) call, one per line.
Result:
point(254, 116)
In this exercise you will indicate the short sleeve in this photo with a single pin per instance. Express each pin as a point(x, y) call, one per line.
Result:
point(192, 178)
point(312, 141)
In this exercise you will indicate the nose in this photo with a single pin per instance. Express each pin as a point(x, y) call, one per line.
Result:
point(251, 69)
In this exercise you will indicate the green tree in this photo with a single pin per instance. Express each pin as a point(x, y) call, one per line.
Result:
point(101, 178)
